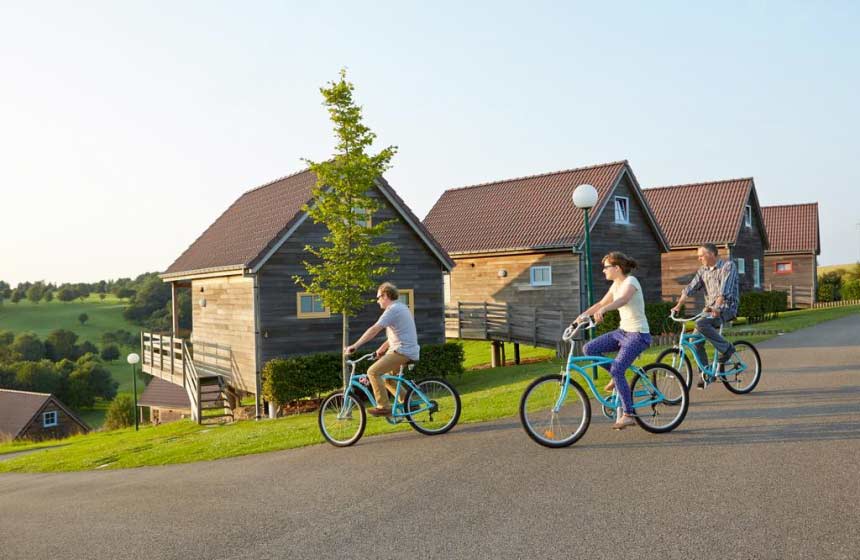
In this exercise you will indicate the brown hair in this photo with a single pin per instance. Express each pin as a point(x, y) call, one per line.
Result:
point(618, 258)
point(389, 289)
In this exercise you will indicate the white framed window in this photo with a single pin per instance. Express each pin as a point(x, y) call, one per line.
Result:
point(49, 419)
point(367, 220)
point(540, 276)
point(757, 273)
point(748, 216)
point(739, 262)
point(784, 268)
point(310, 306)
point(622, 210)
point(407, 296)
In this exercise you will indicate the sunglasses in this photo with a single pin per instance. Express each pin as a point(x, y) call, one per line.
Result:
point(605, 267)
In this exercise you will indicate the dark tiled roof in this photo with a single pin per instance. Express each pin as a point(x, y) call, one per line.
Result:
point(164, 394)
point(701, 212)
point(17, 408)
point(245, 232)
point(533, 212)
point(792, 228)
point(247, 228)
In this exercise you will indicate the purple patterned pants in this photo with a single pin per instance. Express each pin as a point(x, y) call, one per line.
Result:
point(628, 345)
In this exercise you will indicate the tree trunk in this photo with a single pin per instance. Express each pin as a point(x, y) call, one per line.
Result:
point(344, 370)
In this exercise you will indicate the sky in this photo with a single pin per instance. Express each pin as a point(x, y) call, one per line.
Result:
point(127, 128)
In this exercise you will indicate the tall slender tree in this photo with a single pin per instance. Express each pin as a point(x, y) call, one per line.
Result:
point(351, 260)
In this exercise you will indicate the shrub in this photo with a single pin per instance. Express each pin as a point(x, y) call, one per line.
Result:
point(851, 290)
point(312, 375)
point(83, 317)
point(110, 352)
point(120, 413)
point(656, 313)
point(827, 292)
point(762, 306)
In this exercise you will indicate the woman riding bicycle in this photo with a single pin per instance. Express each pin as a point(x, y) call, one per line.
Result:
point(633, 336)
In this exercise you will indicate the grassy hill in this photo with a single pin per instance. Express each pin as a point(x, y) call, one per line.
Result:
point(104, 315)
point(832, 267)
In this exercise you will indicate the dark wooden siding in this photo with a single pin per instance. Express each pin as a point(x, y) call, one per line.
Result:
point(803, 276)
point(636, 239)
point(679, 268)
point(750, 247)
point(66, 425)
point(284, 334)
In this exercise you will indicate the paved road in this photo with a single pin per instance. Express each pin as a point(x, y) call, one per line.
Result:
point(770, 475)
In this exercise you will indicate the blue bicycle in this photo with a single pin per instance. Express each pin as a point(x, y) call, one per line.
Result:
point(740, 374)
point(431, 406)
point(556, 412)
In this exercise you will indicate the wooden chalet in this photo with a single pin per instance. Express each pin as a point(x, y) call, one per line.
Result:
point(37, 416)
point(246, 308)
point(725, 213)
point(791, 262)
point(520, 242)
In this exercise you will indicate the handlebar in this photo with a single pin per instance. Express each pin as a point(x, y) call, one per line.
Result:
point(370, 357)
point(571, 331)
point(695, 317)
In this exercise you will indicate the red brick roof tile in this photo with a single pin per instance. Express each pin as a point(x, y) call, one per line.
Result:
point(702, 212)
point(792, 228)
point(534, 212)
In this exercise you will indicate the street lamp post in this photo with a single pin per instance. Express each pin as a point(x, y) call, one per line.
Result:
point(585, 197)
point(133, 359)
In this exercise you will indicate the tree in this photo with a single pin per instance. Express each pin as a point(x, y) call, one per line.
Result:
point(65, 293)
point(110, 352)
point(87, 347)
point(83, 318)
point(16, 296)
point(5, 290)
point(38, 376)
point(349, 264)
point(120, 413)
point(48, 295)
point(28, 348)
point(102, 296)
point(36, 291)
point(62, 344)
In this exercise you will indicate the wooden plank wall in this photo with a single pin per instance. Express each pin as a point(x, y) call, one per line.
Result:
point(284, 334)
point(804, 275)
point(228, 319)
point(750, 246)
point(679, 268)
point(477, 279)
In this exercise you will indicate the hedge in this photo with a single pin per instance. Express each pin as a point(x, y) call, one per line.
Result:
point(312, 375)
point(762, 306)
point(851, 290)
point(656, 313)
point(827, 292)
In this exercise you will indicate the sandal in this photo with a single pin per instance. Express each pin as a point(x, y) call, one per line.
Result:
point(609, 387)
point(623, 422)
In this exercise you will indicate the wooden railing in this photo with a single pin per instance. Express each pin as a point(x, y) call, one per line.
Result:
point(191, 382)
point(505, 322)
point(162, 356)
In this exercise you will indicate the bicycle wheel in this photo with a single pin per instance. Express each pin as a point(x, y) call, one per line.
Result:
point(743, 370)
point(672, 357)
point(667, 412)
point(444, 410)
point(341, 426)
point(550, 422)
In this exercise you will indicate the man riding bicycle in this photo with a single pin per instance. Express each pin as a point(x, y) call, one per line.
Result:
point(399, 348)
point(720, 279)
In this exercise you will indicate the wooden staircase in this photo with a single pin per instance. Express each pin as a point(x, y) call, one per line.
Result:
point(215, 399)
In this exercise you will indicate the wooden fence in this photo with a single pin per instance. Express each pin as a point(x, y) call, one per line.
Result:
point(797, 296)
point(505, 323)
point(841, 303)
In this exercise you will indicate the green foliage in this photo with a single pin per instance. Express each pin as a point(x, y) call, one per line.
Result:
point(312, 375)
point(5, 290)
point(36, 291)
point(851, 290)
point(827, 292)
point(120, 413)
point(656, 313)
point(40, 377)
point(762, 306)
point(83, 318)
point(61, 344)
point(150, 304)
point(346, 269)
point(89, 379)
point(27, 347)
point(120, 337)
point(110, 352)
point(87, 347)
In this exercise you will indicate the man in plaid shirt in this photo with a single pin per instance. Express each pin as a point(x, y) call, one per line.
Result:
point(720, 279)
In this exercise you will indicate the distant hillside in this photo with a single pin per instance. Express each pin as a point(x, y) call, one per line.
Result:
point(832, 267)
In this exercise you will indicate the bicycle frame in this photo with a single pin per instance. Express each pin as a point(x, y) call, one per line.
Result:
point(397, 411)
point(688, 341)
point(581, 363)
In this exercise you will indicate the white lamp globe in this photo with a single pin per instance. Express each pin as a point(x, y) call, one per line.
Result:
point(133, 358)
point(585, 196)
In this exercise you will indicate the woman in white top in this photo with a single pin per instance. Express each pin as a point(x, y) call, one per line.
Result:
point(633, 336)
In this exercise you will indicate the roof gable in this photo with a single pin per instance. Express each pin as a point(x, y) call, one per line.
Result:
point(534, 212)
point(17, 408)
point(256, 224)
point(792, 228)
point(699, 213)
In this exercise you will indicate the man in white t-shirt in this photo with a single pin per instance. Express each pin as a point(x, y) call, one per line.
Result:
point(399, 348)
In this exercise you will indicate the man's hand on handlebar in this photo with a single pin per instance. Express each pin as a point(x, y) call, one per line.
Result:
point(349, 350)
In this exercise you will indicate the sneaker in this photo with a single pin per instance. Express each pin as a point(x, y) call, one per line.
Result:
point(376, 411)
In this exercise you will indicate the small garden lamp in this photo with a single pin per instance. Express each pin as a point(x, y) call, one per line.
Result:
point(585, 197)
point(133, 359)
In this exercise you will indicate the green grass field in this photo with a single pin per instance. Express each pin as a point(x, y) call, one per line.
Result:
point(832, 267)
point(487, 394)
point(44, 317)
